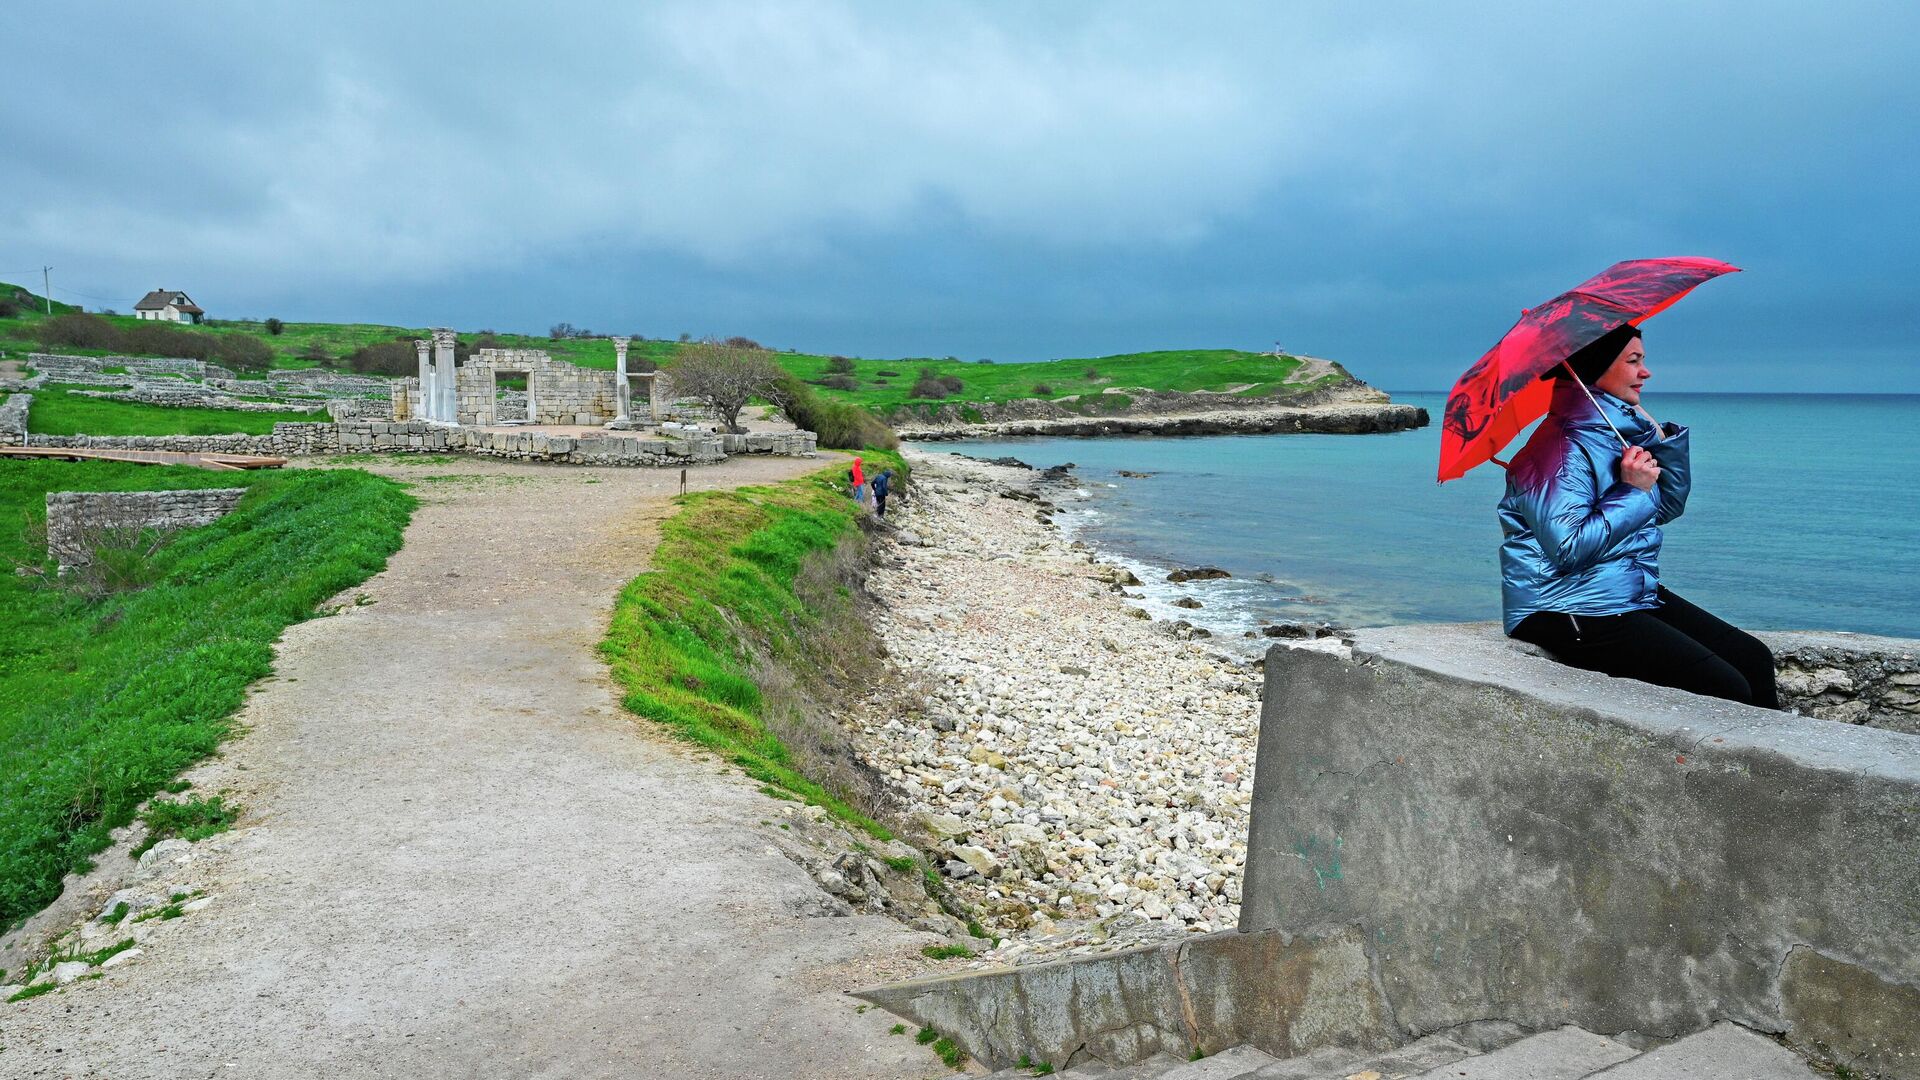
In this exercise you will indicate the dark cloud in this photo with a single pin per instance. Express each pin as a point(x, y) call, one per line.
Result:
point(1004, 181)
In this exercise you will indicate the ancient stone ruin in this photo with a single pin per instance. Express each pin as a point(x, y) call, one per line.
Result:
point(447, 408)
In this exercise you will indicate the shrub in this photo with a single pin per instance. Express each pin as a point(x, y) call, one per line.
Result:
point(276, 327)
point(1041, 389)
point(385, 358)
point(934, 386)
point(840, 365)
point(9, 309)
point(78, 331)
point(317, 353)
point(886, 374)
point(984, 360)
point(841, 382)
point(841, 425)
point(737, 342)
point(242, 352)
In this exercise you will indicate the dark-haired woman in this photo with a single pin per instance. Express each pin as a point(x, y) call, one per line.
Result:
point(1580, 566)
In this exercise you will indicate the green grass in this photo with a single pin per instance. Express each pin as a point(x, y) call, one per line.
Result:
point(723, 588)
point(946, 952)
point(55, 412)
point(103, 703)
point(189, 819)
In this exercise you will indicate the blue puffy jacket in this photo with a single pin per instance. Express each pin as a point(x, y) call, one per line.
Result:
point(1578, 538)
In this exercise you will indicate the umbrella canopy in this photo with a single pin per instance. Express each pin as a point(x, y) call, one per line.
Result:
point(1502, 392)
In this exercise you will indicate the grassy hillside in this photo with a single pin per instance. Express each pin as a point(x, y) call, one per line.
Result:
point(56, 412)
point(106, 696)
point(880, 385)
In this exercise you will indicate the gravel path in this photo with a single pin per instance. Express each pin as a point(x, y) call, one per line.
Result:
point(459, 858)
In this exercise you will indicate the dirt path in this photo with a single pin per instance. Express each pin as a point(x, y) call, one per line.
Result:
point(461, 859)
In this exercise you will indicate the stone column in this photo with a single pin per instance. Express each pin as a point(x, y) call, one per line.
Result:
point(656, 395)
point(447, 407)
point(622, 391)
point(426, 383)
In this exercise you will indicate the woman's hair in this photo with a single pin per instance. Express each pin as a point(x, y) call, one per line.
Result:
point(1593, 360)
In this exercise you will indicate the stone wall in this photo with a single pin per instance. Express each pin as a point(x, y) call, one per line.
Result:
point(422, 437)
point(74, 517)
point(561, 393)
point(1850, 678)
point(287, 440)
point(13, 418)
point(1521, 841)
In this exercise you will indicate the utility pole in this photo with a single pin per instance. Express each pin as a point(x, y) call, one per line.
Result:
point(46, 286)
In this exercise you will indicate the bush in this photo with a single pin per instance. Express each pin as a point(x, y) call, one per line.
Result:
point(276, 327)
point(841, 382)
point(242, 352)
point(984, 360)
point(886, 374)
point(840, 365)
point(841, 425)
point(934, 386)
point(385, 358)
point(737, 342)
point(1041, 389)
point(9, 309)
point(78, 331)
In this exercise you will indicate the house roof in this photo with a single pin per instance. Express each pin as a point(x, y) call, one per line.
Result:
point(160, 298)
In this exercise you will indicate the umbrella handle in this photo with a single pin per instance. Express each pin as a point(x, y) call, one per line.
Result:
point(1596, 404)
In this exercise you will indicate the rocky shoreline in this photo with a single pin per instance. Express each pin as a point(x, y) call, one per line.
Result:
point(1080, 773)
point(1351, 408)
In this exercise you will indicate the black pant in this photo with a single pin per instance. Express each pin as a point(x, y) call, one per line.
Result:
point(1675, 644)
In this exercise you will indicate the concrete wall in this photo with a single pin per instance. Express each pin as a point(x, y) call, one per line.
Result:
point(1517, 840)
point(75, 517)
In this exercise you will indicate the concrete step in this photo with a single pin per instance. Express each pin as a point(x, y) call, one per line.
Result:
point(1412, 1059)
point(1568, 1053)
point(1722, 1052)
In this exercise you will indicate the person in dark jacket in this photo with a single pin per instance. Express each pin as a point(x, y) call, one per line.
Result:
point(1580, 565)
point(882, 484)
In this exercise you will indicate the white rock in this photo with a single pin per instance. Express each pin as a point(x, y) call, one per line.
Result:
point(984, 862)
point(122, 957)
point(69, 970)
point(163, 855)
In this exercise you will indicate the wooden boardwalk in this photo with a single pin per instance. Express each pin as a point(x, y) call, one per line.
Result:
point(218, 462)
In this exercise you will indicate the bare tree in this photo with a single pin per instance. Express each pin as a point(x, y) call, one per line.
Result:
point(724, 377)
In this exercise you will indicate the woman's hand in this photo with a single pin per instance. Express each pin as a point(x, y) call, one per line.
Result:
point(1638, 468)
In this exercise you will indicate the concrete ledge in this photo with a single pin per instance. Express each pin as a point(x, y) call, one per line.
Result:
point(1522, 841)
point(1287, 996)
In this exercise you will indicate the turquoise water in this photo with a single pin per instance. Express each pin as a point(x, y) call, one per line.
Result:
point(1805, 513)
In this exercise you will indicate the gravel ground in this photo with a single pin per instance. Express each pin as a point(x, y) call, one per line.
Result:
point(1084, 773)
point(460, 858)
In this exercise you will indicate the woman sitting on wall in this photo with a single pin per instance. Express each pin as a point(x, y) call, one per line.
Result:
point(1580, 566)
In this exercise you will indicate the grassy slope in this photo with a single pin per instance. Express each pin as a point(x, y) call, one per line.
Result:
point(102, 703)
point(1189, 369)
point(724, 586)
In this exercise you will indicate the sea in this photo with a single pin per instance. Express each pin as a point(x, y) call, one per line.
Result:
point(1805, 514)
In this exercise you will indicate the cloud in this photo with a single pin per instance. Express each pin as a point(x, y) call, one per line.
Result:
point(974, 178)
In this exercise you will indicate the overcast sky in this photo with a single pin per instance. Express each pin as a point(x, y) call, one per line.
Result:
point(1385, 184)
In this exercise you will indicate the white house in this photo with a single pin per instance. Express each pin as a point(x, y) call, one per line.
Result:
point(168, 305)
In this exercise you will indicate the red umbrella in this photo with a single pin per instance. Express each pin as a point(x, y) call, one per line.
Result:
point(1502, 392)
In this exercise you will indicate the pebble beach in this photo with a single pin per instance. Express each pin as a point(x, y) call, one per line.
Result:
point(1081, 772)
